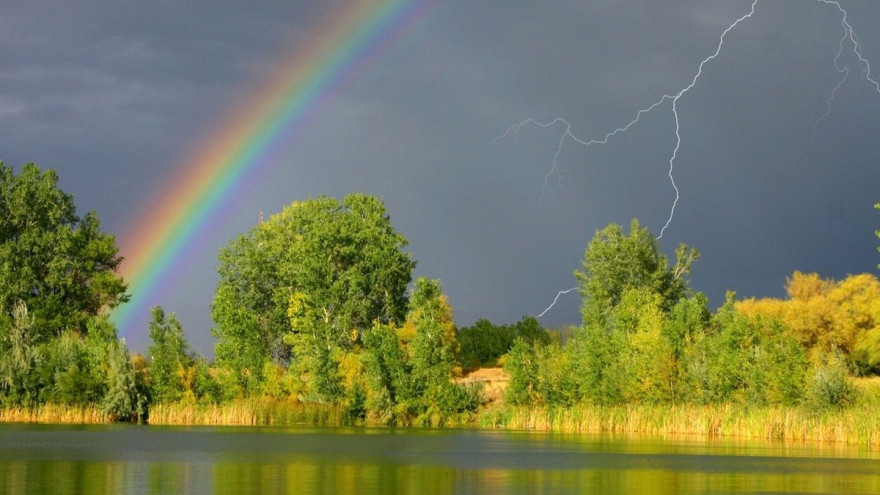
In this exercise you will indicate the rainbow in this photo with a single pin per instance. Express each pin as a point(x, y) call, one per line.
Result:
point(171, 223)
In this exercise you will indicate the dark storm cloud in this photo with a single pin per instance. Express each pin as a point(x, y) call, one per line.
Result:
point(113, 94)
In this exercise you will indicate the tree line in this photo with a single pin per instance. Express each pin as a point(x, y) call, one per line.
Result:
point(317, 305)
point(647, 338)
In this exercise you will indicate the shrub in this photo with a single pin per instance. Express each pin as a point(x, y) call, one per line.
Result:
point(830, 385)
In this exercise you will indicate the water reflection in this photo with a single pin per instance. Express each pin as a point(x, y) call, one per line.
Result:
point(128, 459)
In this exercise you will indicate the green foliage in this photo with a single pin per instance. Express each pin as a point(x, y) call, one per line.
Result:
point(866, 355)
point(615, 263)
point(66, 373)
point(649, 365)
point(57, 277)
point(176, 374)
point(557, 383)
point(747, 360)
point(632, 357)
point(123, 400)
point(72, 369)
point(60, 265)
point(830, 386)
point(204, 386)
point(141, 369)
point(169, 358)
point(646, 339)
point(305, 285)
point(316, 349)
point(779, 370)
point(522, 366)
point(599, 368)
point(688, 319)
point(545, 374)
point(387, 375)
point(410, 371)
point(19, 359)
point(483, 343)
point(432, 353)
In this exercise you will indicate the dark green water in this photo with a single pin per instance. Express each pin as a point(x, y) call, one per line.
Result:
point(132, 459)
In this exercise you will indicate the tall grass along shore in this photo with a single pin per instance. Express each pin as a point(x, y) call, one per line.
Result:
point(855, 425)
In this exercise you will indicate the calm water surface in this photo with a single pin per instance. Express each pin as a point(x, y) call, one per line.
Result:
point(166, 460)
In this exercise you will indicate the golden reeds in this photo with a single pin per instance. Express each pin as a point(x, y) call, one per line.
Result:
point(54, 413)
point(855, 425)
point(246, 412)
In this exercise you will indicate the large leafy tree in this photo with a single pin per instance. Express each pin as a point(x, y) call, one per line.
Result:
point(60, 265)
point(307, 283)
point(615, 263)
point(637, 314)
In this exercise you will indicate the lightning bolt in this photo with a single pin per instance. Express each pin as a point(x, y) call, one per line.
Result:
point(673, 98)
point(565, 291)
point(849, 38)
point(849, 35)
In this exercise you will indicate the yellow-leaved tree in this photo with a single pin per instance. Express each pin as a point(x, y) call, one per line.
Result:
point(829, 316)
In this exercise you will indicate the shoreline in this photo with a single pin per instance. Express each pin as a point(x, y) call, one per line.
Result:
point(857, 425)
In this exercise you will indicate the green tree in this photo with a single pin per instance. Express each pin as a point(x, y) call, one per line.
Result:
point(636, 318)
point(19, 358)
point(615, 262)
point(122, 400)
point(310, 280)
point(204, 385)
point(317, 349)
point(433, 349)
point(410, 370)
point(688, 322)
point(746, 360)
point(649, 365)
point(388, 372)
point(632, 357)
point(169, 359)
point(483, 343)
point(829, 385)
point(67, 374)
point(557, 378)
point(59, 264)
point(522, 365)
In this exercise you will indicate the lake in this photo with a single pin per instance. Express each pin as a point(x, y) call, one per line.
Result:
point(130, 459)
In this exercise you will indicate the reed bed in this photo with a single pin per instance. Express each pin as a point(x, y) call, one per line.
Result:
point(855, 425)
point(247, 412)
point(54, 413)
point(858, 424)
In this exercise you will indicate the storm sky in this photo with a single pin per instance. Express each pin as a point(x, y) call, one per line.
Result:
point(114, 94)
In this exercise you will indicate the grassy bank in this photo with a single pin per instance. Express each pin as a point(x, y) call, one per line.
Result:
point(855, 425)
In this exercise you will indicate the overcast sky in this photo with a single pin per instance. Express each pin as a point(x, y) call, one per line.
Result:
point(113, 94)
